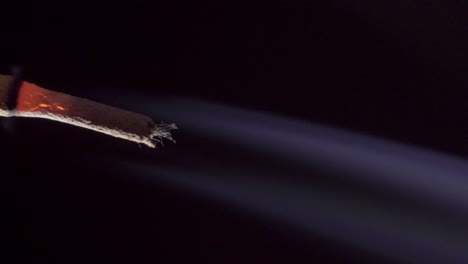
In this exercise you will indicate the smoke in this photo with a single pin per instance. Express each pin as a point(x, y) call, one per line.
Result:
point(426, 225)
point(437, 177)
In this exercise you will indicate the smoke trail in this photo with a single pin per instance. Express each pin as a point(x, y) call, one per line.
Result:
point(360, 223)
point(437, 180)
point(437, 177)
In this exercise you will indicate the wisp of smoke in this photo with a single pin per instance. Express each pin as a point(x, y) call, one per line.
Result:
point(437, 180)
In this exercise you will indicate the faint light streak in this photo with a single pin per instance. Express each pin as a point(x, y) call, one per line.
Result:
point(435, 180)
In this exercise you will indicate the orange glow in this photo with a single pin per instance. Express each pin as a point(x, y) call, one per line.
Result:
point(33, 98)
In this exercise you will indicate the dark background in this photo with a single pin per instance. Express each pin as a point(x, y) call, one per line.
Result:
point(393, 69)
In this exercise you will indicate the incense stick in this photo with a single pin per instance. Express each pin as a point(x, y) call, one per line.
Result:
point(37, 102)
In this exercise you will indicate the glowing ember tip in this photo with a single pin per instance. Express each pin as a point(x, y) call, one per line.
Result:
point(33, 101)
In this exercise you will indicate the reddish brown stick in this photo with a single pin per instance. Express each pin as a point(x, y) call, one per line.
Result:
point(34, 101)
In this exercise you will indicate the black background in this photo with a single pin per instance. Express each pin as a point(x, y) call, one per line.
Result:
point(394, 69)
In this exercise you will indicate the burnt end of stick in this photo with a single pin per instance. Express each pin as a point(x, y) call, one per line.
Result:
point(9, 90)
point(14, 90)
point(5, 95)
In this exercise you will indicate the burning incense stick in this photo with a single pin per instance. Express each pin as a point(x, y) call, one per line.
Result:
point(24, 99)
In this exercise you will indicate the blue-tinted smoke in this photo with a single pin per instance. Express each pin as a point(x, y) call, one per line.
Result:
point(434, 179)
